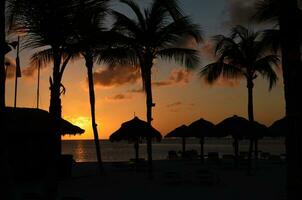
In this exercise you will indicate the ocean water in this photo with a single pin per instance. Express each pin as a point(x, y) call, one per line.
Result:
point(84, 150)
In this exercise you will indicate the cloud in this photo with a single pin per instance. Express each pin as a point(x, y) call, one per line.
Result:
point(177, 76)
point(176, 104)
point(116, 76)
point(224, 82)
point(208, 50)
point(136, 90)
point(10, 64)
point(188, 42)
point(25, 71)
point(240, 12)
point(29, 71)
point(119, 97)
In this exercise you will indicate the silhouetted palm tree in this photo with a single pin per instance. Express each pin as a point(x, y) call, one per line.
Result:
point(90, 38)
point(151, 35)
point(48, 26)
point(242, 55)
point(2, 53)
point(288, 16)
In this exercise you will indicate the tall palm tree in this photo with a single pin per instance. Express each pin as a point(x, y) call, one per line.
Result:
point(152, 35)
point(288, 16)
point(243, 54)
point(91, 38)
point(48, 26)
point(2, 53)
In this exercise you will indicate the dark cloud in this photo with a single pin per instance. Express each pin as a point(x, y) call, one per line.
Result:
point(240, 12)
point(177, 76)
point(176, 104)
point(10, 64)
point(116, 76)
point(208, 50)
point(25, 71)
point(119, 97)
point(29, 71)
point(224, 82)
point(137, 90)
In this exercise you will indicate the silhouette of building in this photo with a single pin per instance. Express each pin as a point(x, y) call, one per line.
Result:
point(29, 140)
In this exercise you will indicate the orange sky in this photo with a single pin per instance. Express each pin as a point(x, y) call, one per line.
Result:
point(180, 96)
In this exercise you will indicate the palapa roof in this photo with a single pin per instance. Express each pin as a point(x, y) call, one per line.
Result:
point(240, 127)
point(34, 121)
point(204, 128)
point(181, 131)
point(280, 127)
point(135, 129)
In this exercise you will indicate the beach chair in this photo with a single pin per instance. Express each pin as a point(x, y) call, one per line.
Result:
point(172, 155)
point(228, 161)
point(213, 158)
point(264, 155)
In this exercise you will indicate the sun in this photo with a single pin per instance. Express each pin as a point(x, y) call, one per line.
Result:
point(82, 122)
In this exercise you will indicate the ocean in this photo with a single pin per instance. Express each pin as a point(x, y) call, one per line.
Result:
point(84, 150)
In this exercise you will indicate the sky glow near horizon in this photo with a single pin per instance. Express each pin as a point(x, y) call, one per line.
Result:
point(181, 97)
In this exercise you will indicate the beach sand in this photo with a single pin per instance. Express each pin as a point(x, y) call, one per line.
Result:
point(175, 179)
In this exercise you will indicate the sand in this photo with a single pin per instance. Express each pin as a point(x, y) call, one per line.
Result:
point(175, 179)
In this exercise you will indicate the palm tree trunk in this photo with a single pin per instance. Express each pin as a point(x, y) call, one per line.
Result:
point(202, 149)
point(292, 69)
point(236, 151)
point(149, 103)
point(55, 108)
point(2, 65)
point(250, 86)
point(89, 65)
point(136, 147)
point(183, 145)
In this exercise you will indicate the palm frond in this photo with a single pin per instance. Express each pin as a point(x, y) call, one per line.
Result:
point(267, 10)
point(176, 31)
point(187, 57)
point(135, 8)
point(213, 71)
point(173, 8)
point(42, 58)
point(272, 39)
point(265, 67)
point(124, 24)
point(117, 56)
point(240, 31)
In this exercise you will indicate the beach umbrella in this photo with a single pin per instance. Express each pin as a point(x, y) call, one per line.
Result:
point(182, 132)
point(279, 128)
point(134, 130)
point(241, 128)
point(234, 126)
point(202, 128)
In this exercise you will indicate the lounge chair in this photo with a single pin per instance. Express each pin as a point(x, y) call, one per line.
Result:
point(213, 158)
point(172, 155)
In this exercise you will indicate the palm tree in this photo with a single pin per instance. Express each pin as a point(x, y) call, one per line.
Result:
point(91, 38)
point(48, 26)
point(243, 54)
point(151, 35)
point(288, 16)
point(2, 53)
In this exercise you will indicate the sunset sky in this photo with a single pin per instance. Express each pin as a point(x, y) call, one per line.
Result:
point(181, 97)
